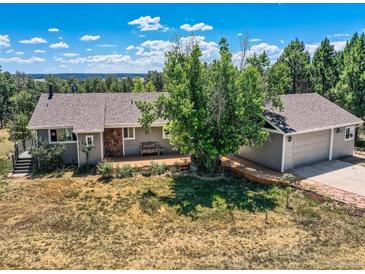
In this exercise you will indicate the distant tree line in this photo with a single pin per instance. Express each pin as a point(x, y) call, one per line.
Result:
point(336, 75)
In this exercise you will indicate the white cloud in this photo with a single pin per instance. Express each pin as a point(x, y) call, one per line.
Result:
point(130, 47)
point(209, 49)
point(199, 26)
point(4, 41)
point(39, 51)
point(311, 48)
point(107, 46)
point(107, 59)
point(282, 41)
point(22, 61)
point(239, 34)
point(60, 45)
point(90, 37)
point(341, 35)
point(339, 45)
point(142, 35)
point(70, 54)
point(60, 38)
point(148, 23)
point(9, 51)
point(53, 30)
point(255, 40)
point(34, 40)
point(88, 49)
point(19, 52)
point(272, 51)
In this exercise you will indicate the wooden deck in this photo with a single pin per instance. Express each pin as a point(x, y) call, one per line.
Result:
point(138, 161)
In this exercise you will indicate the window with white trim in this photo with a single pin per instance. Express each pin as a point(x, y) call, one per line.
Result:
point(128, 133)
point(89, 140)
point(349, 133)
point(165, 133)
point(62, 135)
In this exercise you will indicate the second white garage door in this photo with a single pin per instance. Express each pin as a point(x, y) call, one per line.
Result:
point(309, 148)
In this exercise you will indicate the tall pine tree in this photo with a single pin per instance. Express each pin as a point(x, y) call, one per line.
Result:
point(297, 60)
point(324, 69)
point(350, 90)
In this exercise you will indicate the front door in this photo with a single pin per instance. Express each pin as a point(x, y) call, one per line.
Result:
point(113, 142)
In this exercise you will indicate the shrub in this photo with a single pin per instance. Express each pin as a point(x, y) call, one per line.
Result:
point(125, 171)
point(149, 203)
point(49, 156)
point(105, 169)
point(157, 169)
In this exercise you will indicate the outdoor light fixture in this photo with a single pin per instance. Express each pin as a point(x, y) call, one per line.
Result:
point(289, 139)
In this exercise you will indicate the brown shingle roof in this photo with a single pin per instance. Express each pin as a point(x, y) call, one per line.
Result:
point(87, 112)
point(308, 111)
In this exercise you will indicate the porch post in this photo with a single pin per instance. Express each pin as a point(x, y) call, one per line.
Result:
point(283, 154)
point(102, 145)
point(331, 145)
point(78, 150)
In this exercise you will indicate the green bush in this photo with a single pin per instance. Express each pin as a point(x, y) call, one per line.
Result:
point(125, 171)
point(105, 169)
point(149, 203)
point(157, 169)
point(49, 157)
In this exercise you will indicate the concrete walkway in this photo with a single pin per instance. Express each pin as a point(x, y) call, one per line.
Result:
point(337, 174)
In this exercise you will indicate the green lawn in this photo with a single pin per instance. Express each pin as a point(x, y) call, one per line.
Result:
point(161, 222)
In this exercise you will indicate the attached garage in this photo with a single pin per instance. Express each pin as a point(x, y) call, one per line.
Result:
point(308, 129)
point(311, 147)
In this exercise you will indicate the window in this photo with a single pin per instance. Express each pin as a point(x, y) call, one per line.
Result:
point(62, 135)
point(165, 133)
point(89, 140)
point(128, 133)
point(349, 133)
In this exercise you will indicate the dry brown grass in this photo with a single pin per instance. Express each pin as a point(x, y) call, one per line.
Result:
point(82, 223)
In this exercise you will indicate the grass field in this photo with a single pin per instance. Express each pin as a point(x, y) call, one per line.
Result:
point(162, 222)
point(5, 148)
point(5, 145)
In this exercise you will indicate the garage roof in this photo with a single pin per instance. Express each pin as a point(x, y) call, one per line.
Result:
point(308, 112)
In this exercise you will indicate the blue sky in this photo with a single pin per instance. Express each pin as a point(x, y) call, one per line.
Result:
point(54, 38)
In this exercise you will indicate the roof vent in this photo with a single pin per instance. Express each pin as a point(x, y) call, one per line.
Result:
point(132, 102)
point(74, 88)
point(50, 91)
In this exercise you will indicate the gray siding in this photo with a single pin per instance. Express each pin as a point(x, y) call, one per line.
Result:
point(95, 154)
point(341, 148)
point(288, 158)
point(309, 148)
point(269, 154)
point(131, 147)
point(70, 155)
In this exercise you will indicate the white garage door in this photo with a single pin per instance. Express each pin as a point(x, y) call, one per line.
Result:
point(311, 147)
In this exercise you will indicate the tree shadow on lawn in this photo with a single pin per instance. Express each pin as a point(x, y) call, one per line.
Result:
point(231, 194)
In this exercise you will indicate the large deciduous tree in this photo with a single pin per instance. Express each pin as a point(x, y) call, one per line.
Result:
point(324, 69)
point(298, 61)
point(212, 109)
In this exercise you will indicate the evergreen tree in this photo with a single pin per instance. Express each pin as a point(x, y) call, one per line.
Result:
point(298, 62)
point(260, 61)
point(324, 69)
point(156, 78)
point(350, 89)
point(138, 85)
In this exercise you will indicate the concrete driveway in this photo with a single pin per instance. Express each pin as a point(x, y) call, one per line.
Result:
point(337, 174)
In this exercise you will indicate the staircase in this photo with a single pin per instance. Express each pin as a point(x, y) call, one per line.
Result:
point(23, 165)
